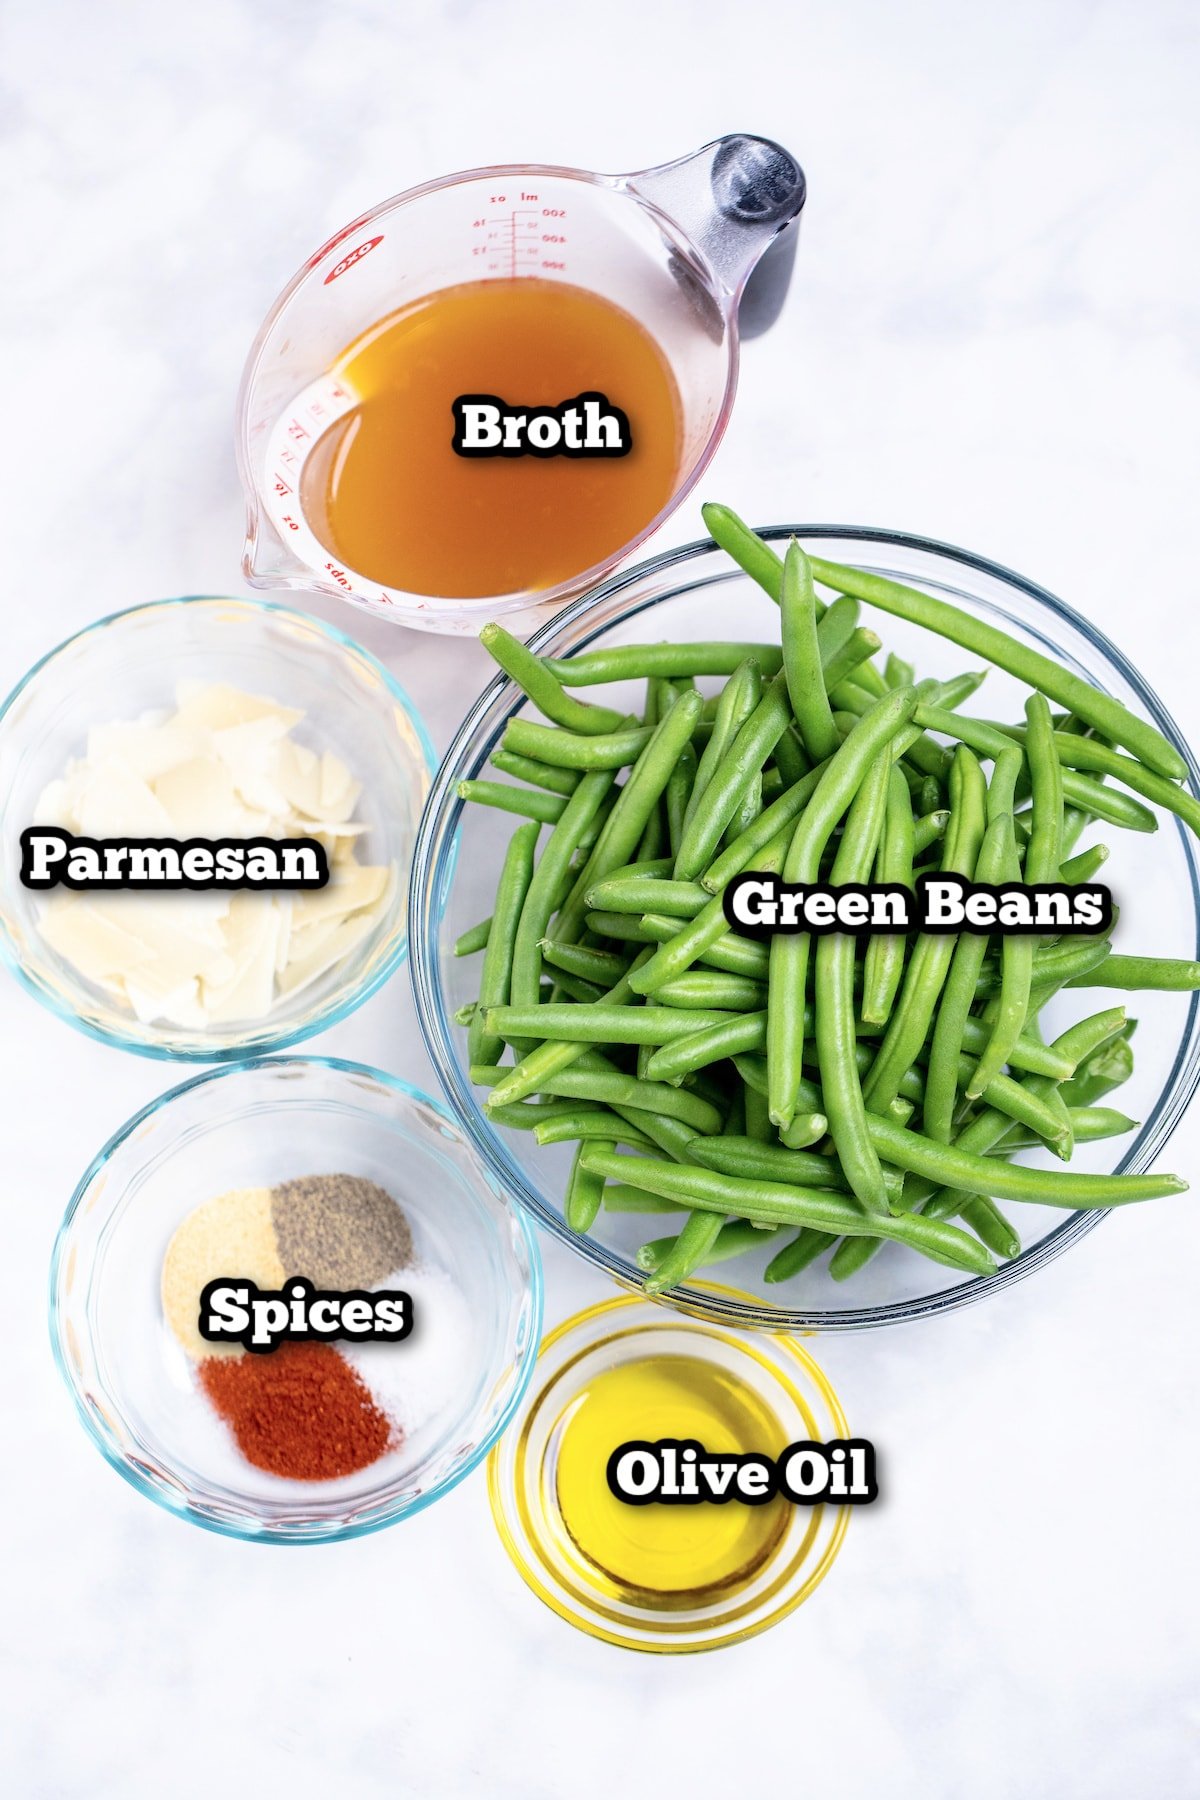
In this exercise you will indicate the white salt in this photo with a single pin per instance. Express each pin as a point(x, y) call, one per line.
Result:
point(431, 1370)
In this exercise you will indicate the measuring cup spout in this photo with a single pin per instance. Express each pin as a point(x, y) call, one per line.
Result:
point(732, 199)
point(267, 562)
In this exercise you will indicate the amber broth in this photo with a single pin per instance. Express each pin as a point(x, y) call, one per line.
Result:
point(387, 494)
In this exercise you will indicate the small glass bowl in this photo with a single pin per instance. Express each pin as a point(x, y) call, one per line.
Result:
point(696, 593)
point(129, 664)
point(522, 1478)
point(255, 1125)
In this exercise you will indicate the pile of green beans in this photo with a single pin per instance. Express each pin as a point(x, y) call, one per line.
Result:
point(815, 1099)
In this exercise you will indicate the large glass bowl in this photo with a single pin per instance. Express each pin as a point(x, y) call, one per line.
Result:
point(257, 1124)
point(696, 593)
point(129, 664)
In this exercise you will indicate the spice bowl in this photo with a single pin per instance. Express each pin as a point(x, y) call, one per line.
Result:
point(253, 1126)
point(581, 1566)
point(696, 593)
point(127, 667)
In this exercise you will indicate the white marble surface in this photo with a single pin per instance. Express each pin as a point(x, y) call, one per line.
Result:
point(991, 339)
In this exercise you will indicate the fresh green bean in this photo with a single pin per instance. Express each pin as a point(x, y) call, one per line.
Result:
point(1106, 1068)
point(1080, 790)
point(990, 1225)
point(779, 816)
point(540, 774)
point(591, 1125)
point(962, 980)
point(884, 961)
point(958, 1168)
point(928, 829)
point(1089, 1125)
point(637, 662)
point(1044, 855)
point(1108, 716)
point(802, 657)
point(835, 626)
point(600, 1023)
point(848, 658)
point(792, 764)
point(622, 1197)
point(959, 688)
point(624, 825)
point(1090, 754)
point(524, 1115)
point(704, 1240)
point(664, 1053)
point(711, 990)
point(574, 987)
point(496, 978)
point(737, 955)
point(743, 760)
point(1057, 964)
point(680, 782)
point(611, 1088)
point(585, 1190)
point(735, 703)
point(527, 803)
point(772, 1203)
point(758, 1123)
point(834, 1002)
point(529, 1074)
point(839, 783)
point(639, 894)
point(803, 1129)
point(474, 938)
point(655, 868)
point(804, 1249)
point(929, 960)
point(574, 750)
point(532, 675)
point(580, 959)
point(744, 1157)
point(701, 933)
point(1162, 973)
point(1084, 866)
point(699, 1048)
point(545, 887)
point(919, 751)
point(1016, 979)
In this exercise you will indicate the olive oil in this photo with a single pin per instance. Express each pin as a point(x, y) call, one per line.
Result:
point(386, 492)
point(672, 1556)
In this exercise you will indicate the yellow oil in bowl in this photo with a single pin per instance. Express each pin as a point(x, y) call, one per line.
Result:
point(669, 1555)
point(661, 1576)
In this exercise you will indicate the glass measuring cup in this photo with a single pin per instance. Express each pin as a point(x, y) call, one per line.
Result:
point(674, 246)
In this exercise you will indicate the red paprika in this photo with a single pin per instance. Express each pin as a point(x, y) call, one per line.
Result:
point(301, 1412)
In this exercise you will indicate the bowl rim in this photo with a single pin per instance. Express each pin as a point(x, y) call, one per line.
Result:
point(336, 1008)
point(442, 811)
point(177, 1503)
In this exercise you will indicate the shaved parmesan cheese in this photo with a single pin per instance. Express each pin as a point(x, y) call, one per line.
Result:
point(96, 946)
point(114, 802)
point(223, 765)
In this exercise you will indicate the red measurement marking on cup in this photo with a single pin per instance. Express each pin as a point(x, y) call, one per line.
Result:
point(519, 236)
point(355, 255)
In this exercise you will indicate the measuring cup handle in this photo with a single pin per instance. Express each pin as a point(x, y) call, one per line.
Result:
point(731, 199)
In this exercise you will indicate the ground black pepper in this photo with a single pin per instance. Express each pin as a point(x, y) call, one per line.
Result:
point(339, 1230)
